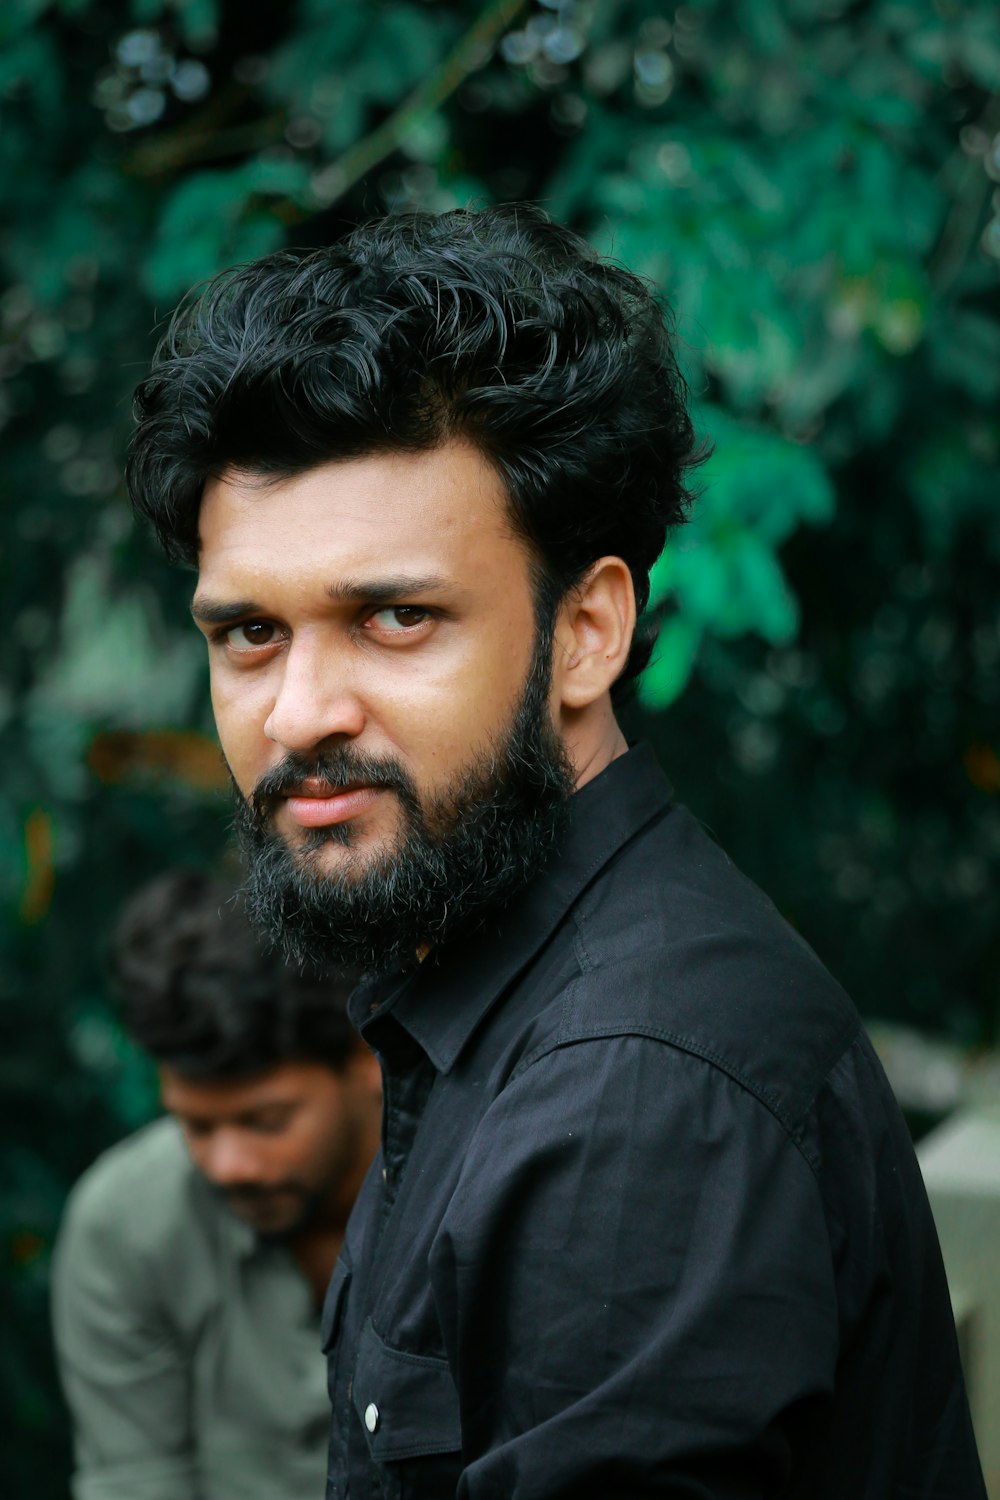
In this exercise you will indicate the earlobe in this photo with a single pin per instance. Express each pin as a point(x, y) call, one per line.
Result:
point(595, 630)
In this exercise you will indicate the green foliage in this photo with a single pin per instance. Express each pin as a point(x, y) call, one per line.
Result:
point(813, 185)
point(214, 219)
point(721, 572)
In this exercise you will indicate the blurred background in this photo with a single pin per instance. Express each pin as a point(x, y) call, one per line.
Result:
point(815, 186)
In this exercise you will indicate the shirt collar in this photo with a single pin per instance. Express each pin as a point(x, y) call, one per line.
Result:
point(441, 1003)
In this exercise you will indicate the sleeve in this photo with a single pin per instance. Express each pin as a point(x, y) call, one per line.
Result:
point(636, 1284)
point(123, 1373)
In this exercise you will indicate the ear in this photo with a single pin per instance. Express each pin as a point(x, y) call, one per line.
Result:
point(365, 1069)
point(594, 630)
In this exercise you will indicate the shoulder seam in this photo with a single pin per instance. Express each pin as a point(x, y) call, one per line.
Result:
point(793, 1130)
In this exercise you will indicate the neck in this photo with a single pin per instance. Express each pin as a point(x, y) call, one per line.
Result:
point(315, 1251)
point(316, 1247)
point(594, 741)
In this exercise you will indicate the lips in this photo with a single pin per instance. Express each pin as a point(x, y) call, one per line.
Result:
point(316, 804)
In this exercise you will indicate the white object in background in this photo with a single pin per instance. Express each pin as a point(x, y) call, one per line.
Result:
point(960, 1161)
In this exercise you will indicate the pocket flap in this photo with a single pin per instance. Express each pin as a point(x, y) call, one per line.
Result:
point(333, 1303)
point(407, 1403)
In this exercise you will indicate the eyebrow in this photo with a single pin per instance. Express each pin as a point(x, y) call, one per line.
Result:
point(222, 612)
point(384, 590)
point(241, 1117)
point(348, 591)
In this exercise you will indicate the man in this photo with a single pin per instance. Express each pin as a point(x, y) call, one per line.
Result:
point(646, 1220)
point(194, 1255)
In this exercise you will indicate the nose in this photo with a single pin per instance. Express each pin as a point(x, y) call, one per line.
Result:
point(229, 1159)
point(315, 699)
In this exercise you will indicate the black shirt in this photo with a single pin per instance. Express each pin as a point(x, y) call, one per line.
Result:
point(646, 1220)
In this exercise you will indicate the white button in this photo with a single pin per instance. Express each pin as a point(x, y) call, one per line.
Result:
point(371, 1416)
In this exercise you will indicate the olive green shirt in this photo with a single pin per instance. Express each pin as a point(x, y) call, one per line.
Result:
point(188, 1348)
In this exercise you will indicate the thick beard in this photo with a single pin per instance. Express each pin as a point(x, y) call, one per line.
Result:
point(465, 853)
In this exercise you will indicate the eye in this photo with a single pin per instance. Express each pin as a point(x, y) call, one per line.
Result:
point(251, 635)
point(397, 618)
point(270, 1124)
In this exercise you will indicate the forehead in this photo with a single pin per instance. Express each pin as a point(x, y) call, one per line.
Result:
point(221, 1098)
point(441, 511)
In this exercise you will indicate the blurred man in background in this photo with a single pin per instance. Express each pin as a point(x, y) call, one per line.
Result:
point(194, 1255)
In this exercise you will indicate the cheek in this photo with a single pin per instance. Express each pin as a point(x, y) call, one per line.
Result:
point(239, 719)
point(460, 703)
point(322, 1139)
point(487, 694)
point(198, 1151)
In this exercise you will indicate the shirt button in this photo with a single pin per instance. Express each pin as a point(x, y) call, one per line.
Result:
point(371, 1416)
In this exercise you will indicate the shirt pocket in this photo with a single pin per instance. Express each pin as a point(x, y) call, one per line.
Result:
point(407, 1405)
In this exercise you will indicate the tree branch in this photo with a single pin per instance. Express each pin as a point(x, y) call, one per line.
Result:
point(187, 143)
point(359, 159)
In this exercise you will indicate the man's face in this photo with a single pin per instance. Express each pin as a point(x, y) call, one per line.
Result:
point(372, 637)
point(381, 603)
point(283, 1146)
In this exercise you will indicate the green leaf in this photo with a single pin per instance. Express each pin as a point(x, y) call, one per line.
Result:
point(19, 15)
point(212, 221)
point(762, 478)
point(198, 21)
point(670, 668)
point(979, 49)
point(32, 61)
point(966, 353)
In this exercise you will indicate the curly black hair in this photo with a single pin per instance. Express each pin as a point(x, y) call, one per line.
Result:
point(496, 326)
point(199, 992)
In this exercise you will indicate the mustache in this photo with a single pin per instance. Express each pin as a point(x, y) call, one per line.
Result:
point(339, 767)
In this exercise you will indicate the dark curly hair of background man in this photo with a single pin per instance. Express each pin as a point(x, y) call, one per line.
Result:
point(202, 994)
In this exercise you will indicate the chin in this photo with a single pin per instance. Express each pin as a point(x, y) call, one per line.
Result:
point(328, 851)
point(271, 1226)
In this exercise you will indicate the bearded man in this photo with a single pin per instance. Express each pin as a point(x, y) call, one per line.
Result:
point(646, 1220)
point(194, 1255)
